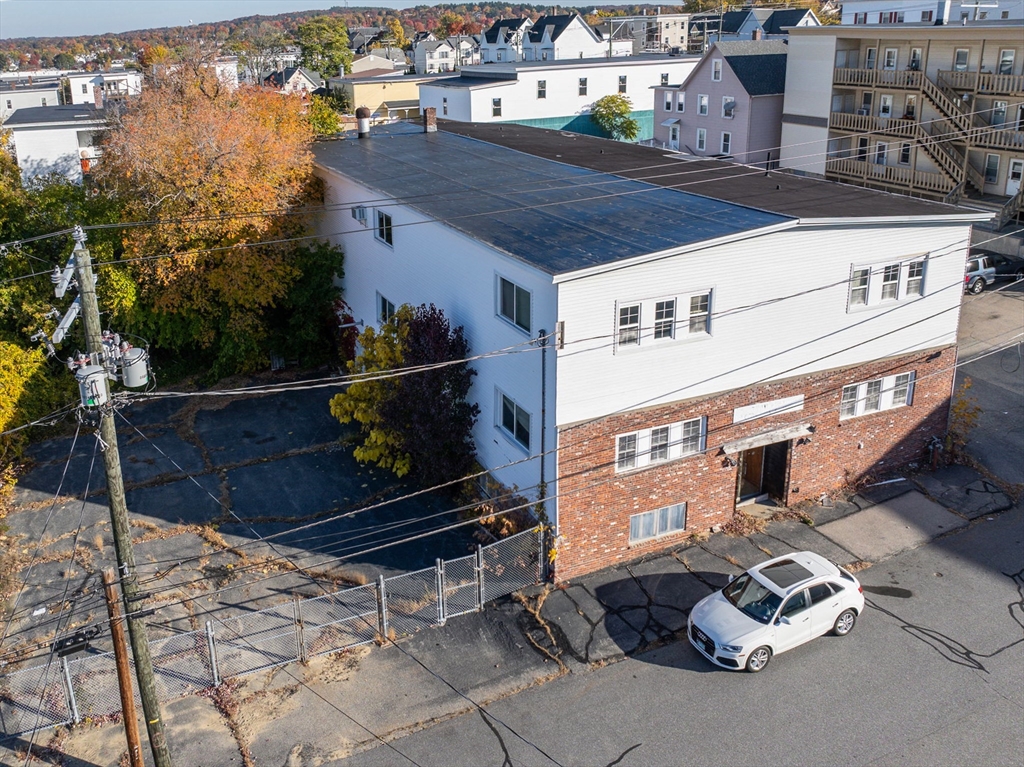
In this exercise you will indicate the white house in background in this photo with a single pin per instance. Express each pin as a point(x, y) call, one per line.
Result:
point(748, 24)
point(554, 94)
point(59, 139)
point(929, 11)
point(376, 62)
point(431, 55)
point(293, 80)
point(113, 85)
point(22, 94)
point(663, 357)
point(652, 33)
point(549, 38)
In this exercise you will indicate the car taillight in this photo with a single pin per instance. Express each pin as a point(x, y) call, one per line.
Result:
point(860, 589)
point(967, 278)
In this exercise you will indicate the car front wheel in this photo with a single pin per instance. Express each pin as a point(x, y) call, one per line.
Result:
point(758, 659)
point(977, 286)
point(1019, 275)
point(844, 623)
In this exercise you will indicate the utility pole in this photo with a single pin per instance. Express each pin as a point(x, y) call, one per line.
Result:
point(119, 519)
point(124, 682)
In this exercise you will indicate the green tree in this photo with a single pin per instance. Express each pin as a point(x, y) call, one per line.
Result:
point(419, 422)
point(324, 44)
point(258, 47)
point(612, 115)
point(449, 23)
point(395, 34)
point(64, 61)
point(324, 120)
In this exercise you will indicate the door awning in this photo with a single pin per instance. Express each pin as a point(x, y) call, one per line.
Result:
point(767, 438)
point(670, 121)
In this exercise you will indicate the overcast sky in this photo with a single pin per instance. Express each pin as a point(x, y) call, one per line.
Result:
point(56, 18)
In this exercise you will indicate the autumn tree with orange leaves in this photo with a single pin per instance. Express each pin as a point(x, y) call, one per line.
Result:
point(215, 175)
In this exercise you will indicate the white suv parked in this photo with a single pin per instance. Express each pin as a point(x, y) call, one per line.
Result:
point(773, 607)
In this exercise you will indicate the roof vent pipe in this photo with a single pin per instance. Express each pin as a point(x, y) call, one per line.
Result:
point(363, 122)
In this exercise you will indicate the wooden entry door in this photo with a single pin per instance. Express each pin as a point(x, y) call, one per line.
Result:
point(776, 470)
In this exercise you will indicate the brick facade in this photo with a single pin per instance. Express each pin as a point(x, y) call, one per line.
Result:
point(595, 502)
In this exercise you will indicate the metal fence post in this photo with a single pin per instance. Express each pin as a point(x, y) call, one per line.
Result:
point(212, 646)
point(541, 559)
point(382, 609)
point(69, 690)
point(300, 640)
point(479, 577)
point(442, 608)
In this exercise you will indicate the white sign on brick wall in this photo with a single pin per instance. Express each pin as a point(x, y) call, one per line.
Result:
point(762, 409)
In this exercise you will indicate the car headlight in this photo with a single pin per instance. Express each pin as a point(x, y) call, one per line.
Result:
point(732, 648)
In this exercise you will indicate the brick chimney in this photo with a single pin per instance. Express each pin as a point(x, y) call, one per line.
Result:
point(758, 34)
point(430, 120)
point(97, 96)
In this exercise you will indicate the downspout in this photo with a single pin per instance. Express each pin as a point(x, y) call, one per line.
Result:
point(542, 339)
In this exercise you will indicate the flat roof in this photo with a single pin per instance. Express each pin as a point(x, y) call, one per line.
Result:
point(777, 192)
point(637, 60)
point(556, 217)
point(954, 29)
point(65, 113)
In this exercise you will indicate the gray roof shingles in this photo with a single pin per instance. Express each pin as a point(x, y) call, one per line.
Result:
point(759, 65)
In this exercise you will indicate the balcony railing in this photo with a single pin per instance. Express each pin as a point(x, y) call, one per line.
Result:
point(890, 126)
point(889, 175)
point(892, 78)
point(982, 82)
point(996, 137)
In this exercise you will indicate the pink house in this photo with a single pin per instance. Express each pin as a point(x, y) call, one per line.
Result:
point(729, 106)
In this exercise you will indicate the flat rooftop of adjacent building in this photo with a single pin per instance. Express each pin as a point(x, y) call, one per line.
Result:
point(775, 192)
point(556, 217)
point(64, 113)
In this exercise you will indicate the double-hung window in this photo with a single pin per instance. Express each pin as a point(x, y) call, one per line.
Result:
point(583, 86)
point(668, 442)
point(668, 101)
point(654, 524)
point(542, 89)
point(629, 325)
point(726, 142)
point(876, 395)
point(514, 303)
point(702, 104)
point(700, 313)
point(681, 101)
point(515, 421)
point(665, 318)
point(883, 283)
point(716, 70)
point(496, 107)
point(905, 153)
point(385, 309)
point(444, 106)
point(622, 83)
point(702, 139)
point(384, 228)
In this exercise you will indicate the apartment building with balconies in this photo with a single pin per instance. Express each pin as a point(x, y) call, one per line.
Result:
point(931, 111)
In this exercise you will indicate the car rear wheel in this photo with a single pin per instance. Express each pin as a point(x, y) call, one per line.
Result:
point(977, 286)
point(844, 623)
point(1019, 275)
point(758, 659)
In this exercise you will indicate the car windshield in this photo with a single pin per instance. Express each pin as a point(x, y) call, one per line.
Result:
point(754, 599)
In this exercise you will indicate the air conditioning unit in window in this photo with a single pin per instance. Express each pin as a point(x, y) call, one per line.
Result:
point(359, 214)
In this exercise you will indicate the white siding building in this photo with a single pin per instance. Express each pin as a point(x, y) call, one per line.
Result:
point(555, 94)
point(927, 12)
point(21, 94)
point(112, 85)
point(695, 347)
point(550, 38)
point(60, 139)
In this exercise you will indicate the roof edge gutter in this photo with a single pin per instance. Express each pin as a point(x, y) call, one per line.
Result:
point(952, 218)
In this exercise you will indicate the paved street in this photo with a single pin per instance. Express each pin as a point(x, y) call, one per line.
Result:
point(933, 674)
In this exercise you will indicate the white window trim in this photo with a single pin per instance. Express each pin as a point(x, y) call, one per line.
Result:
point(722, 143)
point(647, 320)
point(658, 533)
point(389, 224)
point(497, 303)
point(876, 277)
point(703, 104)
point(382, 304)
point(499, 421)
point(716, 70)
point(681, 101)
point(641, 458)
point(887, 387)
point(702, 140)
point(726, 100)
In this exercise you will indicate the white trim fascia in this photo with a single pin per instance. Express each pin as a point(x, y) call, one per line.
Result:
point(676, 251)
point(953, 218)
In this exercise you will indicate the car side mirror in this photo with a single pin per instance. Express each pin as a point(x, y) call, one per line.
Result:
point(732, 578)
point(783, 619)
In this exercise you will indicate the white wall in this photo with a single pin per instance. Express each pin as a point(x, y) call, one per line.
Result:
point(23, 99)
point(519, 97)
point(912, 9)
point(129, 83)
point(433, 263)
point(51, 150)
point(808, 329)
point(809, 72)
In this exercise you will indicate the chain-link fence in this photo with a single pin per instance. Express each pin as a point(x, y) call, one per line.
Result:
point(64, 691)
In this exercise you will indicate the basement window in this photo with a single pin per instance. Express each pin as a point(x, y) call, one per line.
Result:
point(655, 524)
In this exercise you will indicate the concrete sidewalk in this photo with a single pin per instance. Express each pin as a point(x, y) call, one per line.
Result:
point(382, 693)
